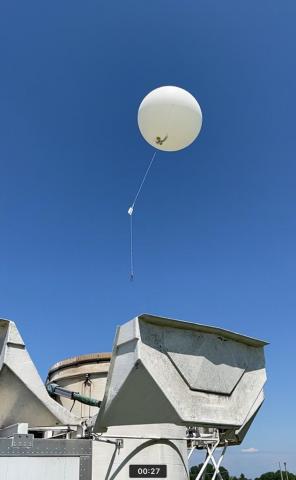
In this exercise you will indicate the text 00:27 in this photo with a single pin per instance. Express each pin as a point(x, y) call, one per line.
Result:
point(148, 471)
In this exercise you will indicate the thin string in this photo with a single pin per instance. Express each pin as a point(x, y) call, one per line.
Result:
point(159, 141)
point(131, 211)
point(132, 253)
point(142, 183)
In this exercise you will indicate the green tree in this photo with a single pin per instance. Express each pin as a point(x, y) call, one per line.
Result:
point(276, 476)
point(224, 472)
point(209, 472)
point(193, 472)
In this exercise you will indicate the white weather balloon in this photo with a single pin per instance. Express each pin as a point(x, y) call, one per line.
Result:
point(169, 118)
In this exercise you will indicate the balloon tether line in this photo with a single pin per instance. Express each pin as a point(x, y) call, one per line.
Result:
point(131, 211)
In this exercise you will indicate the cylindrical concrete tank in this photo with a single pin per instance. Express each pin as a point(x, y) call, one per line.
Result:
point(86, 374)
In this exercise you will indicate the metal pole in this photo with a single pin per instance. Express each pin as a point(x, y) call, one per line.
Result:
point(287, 477)
point(217, 471)
point(207, 459)
point(217, 465)
point(281, 471)
point(204, 475)
point(191, 452)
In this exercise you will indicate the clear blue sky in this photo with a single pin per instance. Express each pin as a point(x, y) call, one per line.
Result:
point(215, 225)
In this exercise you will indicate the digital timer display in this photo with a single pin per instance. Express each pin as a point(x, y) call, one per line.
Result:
point(148, 471)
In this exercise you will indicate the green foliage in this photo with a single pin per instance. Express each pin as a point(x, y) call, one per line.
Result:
point(277, 476)
point(209, 471)
point(241, 477)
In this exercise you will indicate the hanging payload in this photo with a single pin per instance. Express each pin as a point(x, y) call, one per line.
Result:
point(170, 119)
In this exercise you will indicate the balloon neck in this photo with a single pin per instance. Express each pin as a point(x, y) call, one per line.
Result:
point(160, 141)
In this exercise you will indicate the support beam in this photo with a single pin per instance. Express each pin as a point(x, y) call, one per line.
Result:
point(12, 429)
